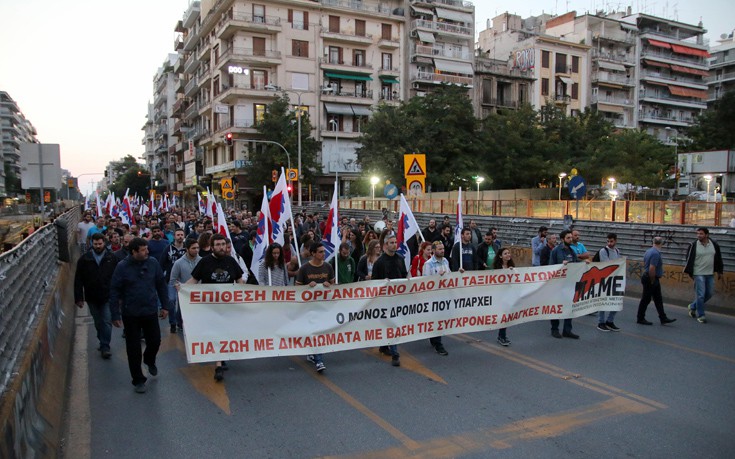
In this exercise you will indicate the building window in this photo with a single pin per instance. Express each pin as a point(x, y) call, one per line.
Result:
point(386, 32)
point(258, 46)
point(335, 55)
point(359, 28)
point(259, 13)
point(334, 24)
point(387, 61)
point(544, 86)
point(487, 91)
point(259, 110)
point(575, 64)
point(561, 63)
point(300, 48)
point(259, 79)
point(358, 58)
point(522, 94)
point(545, 59)
point(575, 91)
point(299, 19)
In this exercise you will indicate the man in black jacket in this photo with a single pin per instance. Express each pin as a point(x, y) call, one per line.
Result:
point(92, 284)
point(137, 288)
point(390, 265)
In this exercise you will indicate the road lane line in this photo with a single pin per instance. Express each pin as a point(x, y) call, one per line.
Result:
point(504, 437)
point(201, 376)
point(409, 363)
point(407, 442)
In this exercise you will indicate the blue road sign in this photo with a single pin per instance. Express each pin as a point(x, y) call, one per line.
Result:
point(577, 187)
point(390, 191)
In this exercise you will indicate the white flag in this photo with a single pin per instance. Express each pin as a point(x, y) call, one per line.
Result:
point(262, 238)
point(407, 228)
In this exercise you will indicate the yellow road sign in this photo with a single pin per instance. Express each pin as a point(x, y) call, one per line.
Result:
point(414, 167)
point(226, 184)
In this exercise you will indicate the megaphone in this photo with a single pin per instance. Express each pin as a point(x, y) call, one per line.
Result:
point(379, 226)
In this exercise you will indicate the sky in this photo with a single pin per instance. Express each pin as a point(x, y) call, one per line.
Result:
point(82, 71)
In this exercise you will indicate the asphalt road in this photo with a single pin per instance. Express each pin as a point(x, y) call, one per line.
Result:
point(648, 391)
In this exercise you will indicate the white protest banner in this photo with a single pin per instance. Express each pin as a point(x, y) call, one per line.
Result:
point(230, 322)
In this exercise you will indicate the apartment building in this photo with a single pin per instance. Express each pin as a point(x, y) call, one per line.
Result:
point(161, 156)
point(335, 59)
point(721, 77)
point(613, 82)
point(557, 67)
point(501, 84)
point(441, 44)
point(14, 130)
point(672, 67)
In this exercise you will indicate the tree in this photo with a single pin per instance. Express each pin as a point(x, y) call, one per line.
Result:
point(715, 128)
point(279, 124)
point(441, 125)
point(12, 181)
point(132, 176)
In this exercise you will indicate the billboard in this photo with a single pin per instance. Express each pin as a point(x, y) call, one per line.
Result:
point(38, 157)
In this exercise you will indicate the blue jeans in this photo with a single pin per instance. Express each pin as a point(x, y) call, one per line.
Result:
point(102, 323)
point(610, 316)
point(173, 301)
point(704, 288)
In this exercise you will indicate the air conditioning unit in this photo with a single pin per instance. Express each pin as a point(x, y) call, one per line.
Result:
point(416, 86)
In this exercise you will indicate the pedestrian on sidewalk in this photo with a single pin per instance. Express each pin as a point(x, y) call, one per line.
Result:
point(92, 285)
point(653, 270)
point(137, 288)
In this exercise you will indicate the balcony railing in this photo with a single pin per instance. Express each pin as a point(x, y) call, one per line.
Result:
point(615, 57)
point(441, 52)
point(441, 27)
point(360, 95)
point(254, 19)
point(562, 98)
point(612, 100)
point(721, 77)
point(328, 61)
point(244, 53)
point(665, 117)
point(441, 78)
point(367, 38)
point(652, 51)
point(358, 5)
point(500, 102)
point(671, 78)
point(653, 95)
point(612, 77)
point(191, 85)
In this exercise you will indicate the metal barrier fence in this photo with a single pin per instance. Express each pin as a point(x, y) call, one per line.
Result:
point(654, 212)
point(27, 273)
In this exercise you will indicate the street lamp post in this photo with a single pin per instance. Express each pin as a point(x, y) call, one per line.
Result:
point(561, 177)
point(479, 180)
point(707, 178)
point(374, 181)
point(335, 124)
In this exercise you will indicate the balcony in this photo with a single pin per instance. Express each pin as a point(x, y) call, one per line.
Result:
point(241, 125)
point(664, 118)
point(500, 102)
point(622, 58)
point(357, 5)
point(389, 43)
point(609, 77)
point(191, 112)
point(191, 15)
point(442, 28)
point(248, 56)
point(178, 43)
point(230, 94)
point(669, 57)
point(393, 71)
point(721, 78)
point(178, 106)
point(694, 83)
point(234, 22)
point(618, 37)
point(334, 64)
point(561, 99)
point(349, 38)
point(719, 59)
point(436, 51)
point(457, 3)
point(191, 87)
point(624, 101)
point(191, 65)
point(191, 40)
point(346, 96)
point(438, 78)
point(661, 98)
point(328, 131)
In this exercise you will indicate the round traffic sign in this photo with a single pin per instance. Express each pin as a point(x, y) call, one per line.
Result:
point(390, 191)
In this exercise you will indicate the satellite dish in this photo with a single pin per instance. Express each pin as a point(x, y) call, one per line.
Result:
point(379, 226)
point(723, 36)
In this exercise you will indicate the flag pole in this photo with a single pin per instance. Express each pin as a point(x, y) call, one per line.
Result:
point(336, 225)
point(293, 228)
point(266, 234)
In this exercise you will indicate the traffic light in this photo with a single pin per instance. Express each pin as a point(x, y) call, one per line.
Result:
point(289, 188)
point(274, 175)
point(228, 138)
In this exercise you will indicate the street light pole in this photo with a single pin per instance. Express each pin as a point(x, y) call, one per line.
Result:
point(707, 178)
point(479, 180)
point(561, 177)
point(374, 181)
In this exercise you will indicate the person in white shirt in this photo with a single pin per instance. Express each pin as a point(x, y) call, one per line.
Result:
point(437, 265)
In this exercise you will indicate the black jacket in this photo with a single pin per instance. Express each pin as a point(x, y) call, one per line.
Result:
point(482, 254)
point(692, 254)
point(92, 282)
point(137, 288)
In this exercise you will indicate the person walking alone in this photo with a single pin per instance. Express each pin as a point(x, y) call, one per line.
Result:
point(704, 259)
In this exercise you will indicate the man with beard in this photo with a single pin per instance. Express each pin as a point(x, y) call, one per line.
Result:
point(169, 257)
point(92, 284)
point(136, 290)
point(431, 233)
point(217, 268)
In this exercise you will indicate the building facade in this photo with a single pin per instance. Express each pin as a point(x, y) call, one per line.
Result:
point(500, 85)
point(721, 77)
point(14, 130)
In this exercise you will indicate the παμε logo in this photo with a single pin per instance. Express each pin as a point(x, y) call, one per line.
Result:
point(598, 282)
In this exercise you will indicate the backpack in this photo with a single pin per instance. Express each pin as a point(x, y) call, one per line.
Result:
point(597, 255)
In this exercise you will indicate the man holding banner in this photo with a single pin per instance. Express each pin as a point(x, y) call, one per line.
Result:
point(390, 265)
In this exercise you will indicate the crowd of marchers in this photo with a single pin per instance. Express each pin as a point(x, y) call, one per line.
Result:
point(128, 275)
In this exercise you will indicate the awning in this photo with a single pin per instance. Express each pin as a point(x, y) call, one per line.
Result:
point(610, 108)
point(680, 69)
point(426, 37)
point(611, 66)
point(625, 25)
point(338, 109)
point(454, 15)
point(656, 64)
point(348, 76)
point(566, 80)
point(689, 51)
point(687, 92)
point(389, 79)
point(464, 68)
point(420, 10)
point(609, 85)
point(361, 111)
point(660, 44)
